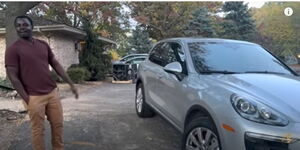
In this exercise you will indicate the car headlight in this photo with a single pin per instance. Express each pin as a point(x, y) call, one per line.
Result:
point(257, 112)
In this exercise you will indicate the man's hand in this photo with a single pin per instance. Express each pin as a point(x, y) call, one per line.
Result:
point(13, 75)
point(61, 72)
point(74, 91)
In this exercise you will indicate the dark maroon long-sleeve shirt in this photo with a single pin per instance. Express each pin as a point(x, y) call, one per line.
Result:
point(32, 60)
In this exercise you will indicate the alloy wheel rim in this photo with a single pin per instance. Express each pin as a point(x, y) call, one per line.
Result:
point(202, 139)
point(139, 100)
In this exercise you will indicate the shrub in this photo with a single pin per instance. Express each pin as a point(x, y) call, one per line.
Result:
point(78, 74)
point(74, 66)
point(87, 74)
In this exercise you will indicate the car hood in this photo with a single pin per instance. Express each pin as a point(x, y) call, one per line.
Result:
point(280, 92)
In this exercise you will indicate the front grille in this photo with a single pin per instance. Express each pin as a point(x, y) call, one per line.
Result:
point(121, 72)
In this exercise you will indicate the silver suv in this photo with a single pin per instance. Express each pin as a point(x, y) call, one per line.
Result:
point(221, 94)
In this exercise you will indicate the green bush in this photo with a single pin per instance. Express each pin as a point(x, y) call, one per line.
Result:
point(78, 74)
point(87, 74)
point(74, 66)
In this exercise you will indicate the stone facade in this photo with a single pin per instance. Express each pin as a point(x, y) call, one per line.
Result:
point(63, 47)
point(2, 52)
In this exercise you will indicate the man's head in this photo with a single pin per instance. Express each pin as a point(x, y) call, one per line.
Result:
point(24, 26)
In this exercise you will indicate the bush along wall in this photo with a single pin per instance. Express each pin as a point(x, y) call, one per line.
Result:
point(78, 74)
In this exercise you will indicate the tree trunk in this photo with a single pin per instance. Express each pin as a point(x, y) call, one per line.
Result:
point(13, 10)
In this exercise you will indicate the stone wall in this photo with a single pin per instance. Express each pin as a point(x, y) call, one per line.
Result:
point(2, 52)
point(63, 47)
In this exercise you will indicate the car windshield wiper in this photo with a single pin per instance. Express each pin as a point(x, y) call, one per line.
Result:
point(264, 72)
point(217, 71)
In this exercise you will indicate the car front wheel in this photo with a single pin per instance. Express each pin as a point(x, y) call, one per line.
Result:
point(201, 134)
point(142, 109)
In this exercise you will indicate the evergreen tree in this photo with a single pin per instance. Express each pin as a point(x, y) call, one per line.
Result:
point(122, 47)
point(200, 24)
point(238, 23)
point(140, 41)
point(93, 57)
point(229, 30)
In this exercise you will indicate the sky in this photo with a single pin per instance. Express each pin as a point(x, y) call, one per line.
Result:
point(256, 4)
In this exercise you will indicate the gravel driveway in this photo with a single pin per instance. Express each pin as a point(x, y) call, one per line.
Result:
point(104, 118)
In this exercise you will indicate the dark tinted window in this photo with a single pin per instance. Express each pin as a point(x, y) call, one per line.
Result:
point(178, 51)
point(166, 53)
point(180, 55)
point(155, 55)
point(233, 57)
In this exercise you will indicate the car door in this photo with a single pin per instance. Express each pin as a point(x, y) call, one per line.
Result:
point(150, 69)
point(170, 87)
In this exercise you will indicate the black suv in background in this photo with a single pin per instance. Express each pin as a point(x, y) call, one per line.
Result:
point(126, 68)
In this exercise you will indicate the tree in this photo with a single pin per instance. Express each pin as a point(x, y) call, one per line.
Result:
point(96, 19)
point(106, 17)
point(277, 32)
point(229, 30)
point(238, 23)
point(167, 19)
point(122, 47)
point(57, 11)
point(139, 42)
point(93, 56)
point(12, 10)
point(200, 24)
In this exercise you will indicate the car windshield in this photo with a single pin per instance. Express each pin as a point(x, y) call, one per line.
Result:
point(226, 57)
point(131, 56)
point(126, 58)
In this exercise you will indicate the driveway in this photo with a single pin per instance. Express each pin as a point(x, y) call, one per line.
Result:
point(104, 118)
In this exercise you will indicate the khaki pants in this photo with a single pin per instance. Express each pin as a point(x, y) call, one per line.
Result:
point(46, 105)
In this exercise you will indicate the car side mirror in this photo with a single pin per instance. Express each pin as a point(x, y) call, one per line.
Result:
point(174, 67)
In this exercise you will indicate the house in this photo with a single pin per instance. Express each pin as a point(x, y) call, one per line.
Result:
point(64, 41)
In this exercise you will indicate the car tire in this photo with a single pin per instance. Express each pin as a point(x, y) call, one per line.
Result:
point(143, 110)
point(196, 132)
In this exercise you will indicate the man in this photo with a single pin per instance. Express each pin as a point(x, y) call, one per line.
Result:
point(27, 66)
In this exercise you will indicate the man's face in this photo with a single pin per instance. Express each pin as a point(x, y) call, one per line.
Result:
point(23, 27)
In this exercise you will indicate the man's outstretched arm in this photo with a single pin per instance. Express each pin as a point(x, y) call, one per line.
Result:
point(61, 72)
point(13, 75)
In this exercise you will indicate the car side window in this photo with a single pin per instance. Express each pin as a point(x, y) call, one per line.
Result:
point(168, 54)
point(154, 54)
point(178, 51)
point(179, 54)
point(159, 54)
point(165, 53)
